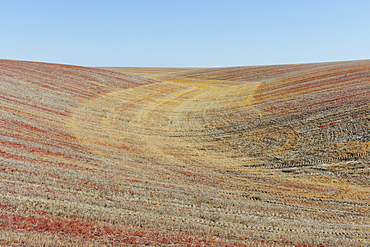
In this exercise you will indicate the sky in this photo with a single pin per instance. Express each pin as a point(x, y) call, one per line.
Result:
point(184, 33)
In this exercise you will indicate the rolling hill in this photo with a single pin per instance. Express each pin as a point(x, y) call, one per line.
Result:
point(239, 156)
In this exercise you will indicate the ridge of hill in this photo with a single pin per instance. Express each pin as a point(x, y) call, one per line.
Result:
point(146, 71)
point(242, 156)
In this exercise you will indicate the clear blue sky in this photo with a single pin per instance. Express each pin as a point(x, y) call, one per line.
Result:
point(170, 33)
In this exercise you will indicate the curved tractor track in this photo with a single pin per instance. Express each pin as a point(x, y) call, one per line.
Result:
point(243, 156)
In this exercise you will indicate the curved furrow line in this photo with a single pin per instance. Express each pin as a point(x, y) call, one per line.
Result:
point(166, 120)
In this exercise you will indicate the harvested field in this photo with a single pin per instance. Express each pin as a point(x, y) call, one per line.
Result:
point(145, 71)
point(242, 156)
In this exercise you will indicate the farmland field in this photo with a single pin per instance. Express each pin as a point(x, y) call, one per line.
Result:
point(239, 156)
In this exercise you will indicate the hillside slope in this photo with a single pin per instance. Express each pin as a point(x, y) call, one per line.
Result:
point(246, 156)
